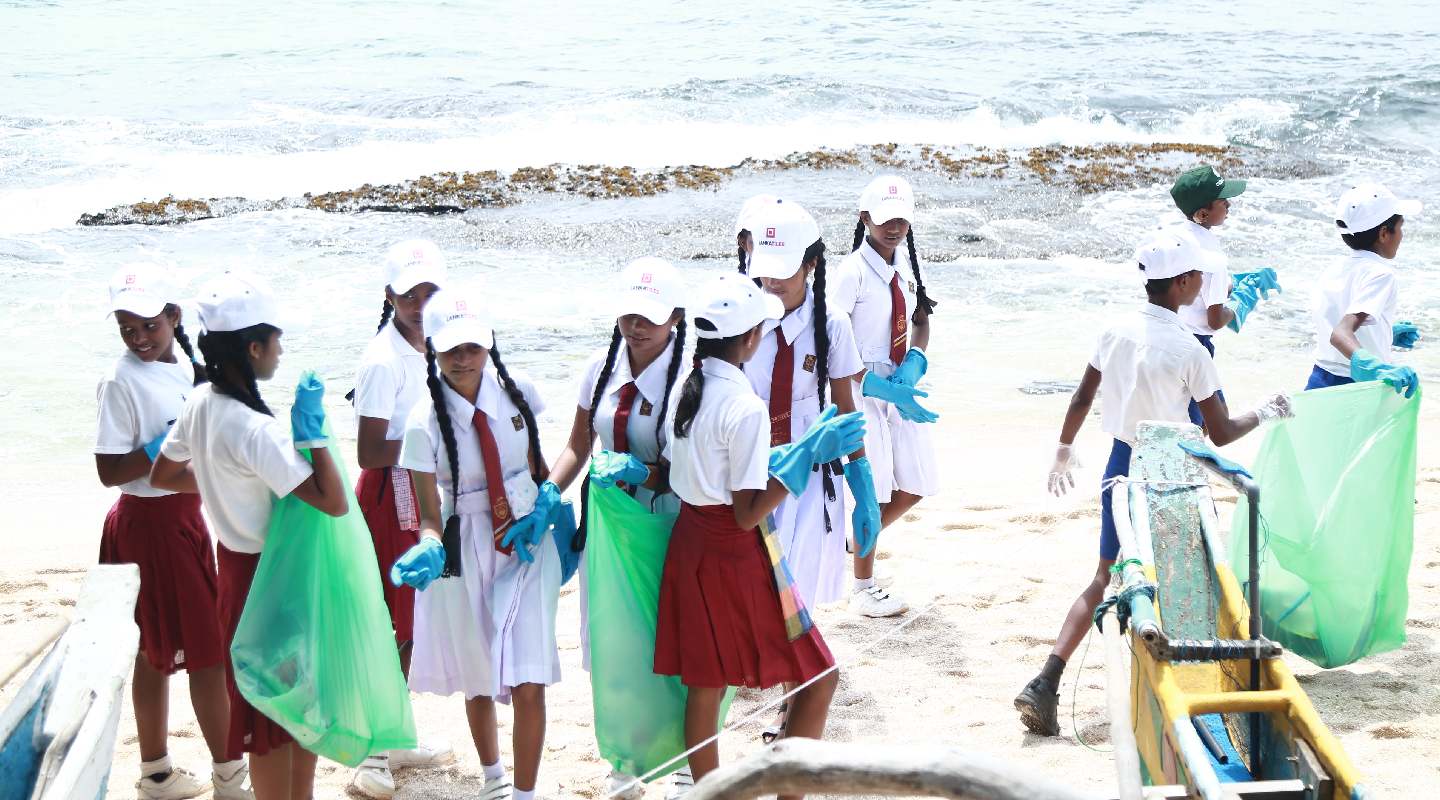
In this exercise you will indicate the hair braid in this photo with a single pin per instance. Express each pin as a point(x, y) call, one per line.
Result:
point(923, 303)
point(693, 391)
point(184, 340)
point(450, 537)
point(677, 354)
point(816, 253)
point(386, 311)
point(605, 372)
point(859, 235)
point(231, 348)
point(740, 251)
point(538, 470)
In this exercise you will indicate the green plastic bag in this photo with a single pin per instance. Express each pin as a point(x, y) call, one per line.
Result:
point(314, 650)
point(1337, 505)
point(639, 716)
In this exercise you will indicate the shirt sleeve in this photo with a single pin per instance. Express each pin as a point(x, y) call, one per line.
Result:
point(272, 456)
point(1216, 288)
point(418, 452)
point(749, 447)
point(586, 387)
point(376, 388)
point(1201, 376)
point(118, 424)
point(1097, 357)
point(844, 352)
point(532, 396)
point(843, 289)
point(176, 446)
point(1374, 295)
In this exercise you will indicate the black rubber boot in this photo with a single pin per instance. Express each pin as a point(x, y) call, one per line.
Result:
point(1037, 705)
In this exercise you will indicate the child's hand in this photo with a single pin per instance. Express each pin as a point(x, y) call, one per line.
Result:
point(1277, 407)
point(1403, 335)
point(1062, 478)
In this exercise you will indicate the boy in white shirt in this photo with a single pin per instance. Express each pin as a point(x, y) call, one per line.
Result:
point(1148, 367)
point(1357, 300)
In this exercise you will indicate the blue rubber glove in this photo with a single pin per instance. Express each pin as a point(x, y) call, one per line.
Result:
point(420, 565)
point(865, 519)
point(829, 437)
point(307, 416)
point(1262, 280)
point(608, 468)
point(1404, 335)
point(152, 447)
point(1243, 299)
point(899, 395)
point(530, 529)
point(1364, 366)
point(564, 538)
point(912, 369)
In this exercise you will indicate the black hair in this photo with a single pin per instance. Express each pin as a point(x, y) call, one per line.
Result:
point(450, 537)
point(694, 388)
point(232, 349)
point(816, 253)
point(740, 250)
point(1366, 240)
point(604, 378)
point(385, 311)
point(923, 303)
point(184, 339)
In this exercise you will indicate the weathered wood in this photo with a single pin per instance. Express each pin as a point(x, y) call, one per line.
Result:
point(808, 766)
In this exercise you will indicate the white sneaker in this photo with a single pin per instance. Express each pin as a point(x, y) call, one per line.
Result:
point(180, 784)
point(496, 788)
point(236, 787)
point(633, 789)
point(373, 779)
point(680, 784)
point(424, 754)
point(876, 601)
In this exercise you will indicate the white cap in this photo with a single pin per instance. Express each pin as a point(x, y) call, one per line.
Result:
point(1368, 205)
point(888, 197)
point(457, 316)
point(143, 289)
point(413, 262)
point(1169, 253)
point(651, 288)
point(733, 304)
point(769, 265)
point(236, 301)
point(784, 230)
point(750, 207)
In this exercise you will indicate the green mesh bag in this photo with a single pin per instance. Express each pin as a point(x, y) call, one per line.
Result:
point(639, 716)
point(314, 650)
point(1337, 504)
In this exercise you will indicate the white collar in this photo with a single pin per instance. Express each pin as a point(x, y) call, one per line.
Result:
point(1160, 313)
point(885, 271)
point(794, 322)
point(487, 400)
point(651, 381)
point(397, 342)
point(720, 368)
point(1370, 255)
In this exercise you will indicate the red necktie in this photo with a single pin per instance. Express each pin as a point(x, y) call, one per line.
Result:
point(782, 380)
point(622, 416)
point(898, 328)
point(500, 517)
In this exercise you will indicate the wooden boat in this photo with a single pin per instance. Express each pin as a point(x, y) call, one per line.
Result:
point(1216, 713)
point(57, 736)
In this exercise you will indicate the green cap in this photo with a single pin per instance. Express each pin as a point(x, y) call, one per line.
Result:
point(1199, 187)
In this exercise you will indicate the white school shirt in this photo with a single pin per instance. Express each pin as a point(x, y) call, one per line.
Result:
point(1362, 283)
point(728, 447)
point(390, 382)
point(424, 448)
point(243, 460)
point(137, 402)
point(859, 288)
point(641, 432)
point(799, 329)
point(1151, 367)
point(1214, 286)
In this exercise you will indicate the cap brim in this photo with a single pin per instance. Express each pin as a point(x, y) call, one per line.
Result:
point(646, 306)
point(773, 267)
point(1408, 208)
point(1231, 189)
point(410, 278)
point(463, 332)
point(774, 309)
point(146, 307)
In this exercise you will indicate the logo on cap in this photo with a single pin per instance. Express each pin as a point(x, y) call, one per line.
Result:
point(769, 233)
point(1219, 181)
point(129, 279)
point(461, 306)
point(894, 190)
point(645, 277)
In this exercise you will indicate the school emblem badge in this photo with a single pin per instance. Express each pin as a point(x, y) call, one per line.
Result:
point(501, 510)
point(809, 365)
point(911, 284)
point(646, 408)
point(518, 421)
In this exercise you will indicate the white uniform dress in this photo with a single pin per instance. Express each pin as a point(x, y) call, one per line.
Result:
point(492, 628)
point(901, 455)
point(816, 556)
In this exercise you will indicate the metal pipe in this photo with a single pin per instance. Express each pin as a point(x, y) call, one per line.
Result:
point(1117, 697)
point(1252, 497)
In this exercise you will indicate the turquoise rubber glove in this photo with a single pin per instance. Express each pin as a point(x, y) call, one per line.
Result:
point(420, 565)
point(1403, 335)
point(530, 529)
point(1364, 366)
point(152, 447)
point(1243, 299)
point(865, 519)
point(899, 395)
point(608, 468)
point(564, 538)
point(829, 437)
point(307, 416)
point(912, 369)
point(1262, 280)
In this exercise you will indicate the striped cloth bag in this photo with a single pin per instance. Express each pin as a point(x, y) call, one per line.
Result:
point(792, 606)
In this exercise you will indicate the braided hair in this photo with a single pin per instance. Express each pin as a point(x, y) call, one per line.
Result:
point(538, 470)
point(386, 311)
point(677, 354)
point(815, 253)
point(232, 349)
point(694, 388)
point(605, 372)
point(184, 340)
point(923, 303)
point(740, 251)
point(450, 537)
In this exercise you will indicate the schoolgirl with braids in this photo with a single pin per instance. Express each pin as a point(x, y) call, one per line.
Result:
point(390, 382)
point(227, 446)
point(744, 227)
point(880, 289)
point(624, 399)
point(162, 532)
point(488, 585)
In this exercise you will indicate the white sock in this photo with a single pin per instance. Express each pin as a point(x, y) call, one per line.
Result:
point(864, 583)
point(523, 794)
point(160, 766)
point(227, 770)
point(493, 771)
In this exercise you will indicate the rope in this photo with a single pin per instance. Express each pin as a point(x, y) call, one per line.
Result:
point(1120, 601)
point(764, 710)
point(1075, 693)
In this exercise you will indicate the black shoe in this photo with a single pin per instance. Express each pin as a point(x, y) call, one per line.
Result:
point(1037, 705)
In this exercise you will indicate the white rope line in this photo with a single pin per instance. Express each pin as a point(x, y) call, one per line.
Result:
point(1110, 483)
point(764, 709)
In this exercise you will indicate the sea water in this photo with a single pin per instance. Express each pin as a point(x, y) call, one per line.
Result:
point(104, 103)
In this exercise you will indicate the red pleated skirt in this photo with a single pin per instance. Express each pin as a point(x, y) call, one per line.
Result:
point(375, 494)
point(177, 609)
point(720, 622)
point(250, 731)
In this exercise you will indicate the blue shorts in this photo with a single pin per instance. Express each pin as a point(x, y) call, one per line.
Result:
point(1119, 464)
point(1321, 379)
point(1195, 416)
